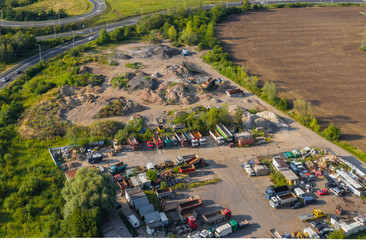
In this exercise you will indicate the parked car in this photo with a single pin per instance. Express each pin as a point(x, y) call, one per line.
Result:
point(329, 185)
point(337, 191)
point(319, 226)
point(150, 144)
point(19, 71)
point(298, 205)
point(326, 232)
point(323, 192)
point(5, 79)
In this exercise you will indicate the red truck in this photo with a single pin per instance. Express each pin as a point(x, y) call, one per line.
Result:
point(186, 169)
point(120, 182)
point(184, 207)
point(217, 216)
point(134, 143)
point(196, 161)
point(158, 142)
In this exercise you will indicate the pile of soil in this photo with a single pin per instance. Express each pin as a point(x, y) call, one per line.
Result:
point(142, 81)
point(120, 55)
point(271, 116)
point(118, 107)
point(251, 121)
point(157, 51)
point(184, 70)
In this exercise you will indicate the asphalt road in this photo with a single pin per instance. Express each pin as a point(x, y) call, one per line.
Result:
point(98, 7)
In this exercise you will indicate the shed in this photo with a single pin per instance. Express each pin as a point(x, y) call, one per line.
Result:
point(129, 172)
point(132, 194)
point(135, 181)
point(279, 163)
point(140, 202)
point(150, 166)
point(261, 170)
point(144, 181)
point(153, 217)
point(290, 176)
point(144, 210)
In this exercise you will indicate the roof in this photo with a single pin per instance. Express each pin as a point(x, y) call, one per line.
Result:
point(146, 209)
point(134, 193)
point(349, 179)
point(135, 181)
point(289, 175)
point(71, 173)
point(152, 217)
point(243, 135)
point(140, 202)
point(150, 165)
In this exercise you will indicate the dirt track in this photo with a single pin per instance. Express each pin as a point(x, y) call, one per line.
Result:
point(310, 53)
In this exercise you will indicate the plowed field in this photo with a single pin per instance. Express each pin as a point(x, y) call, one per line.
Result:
point(311, 53)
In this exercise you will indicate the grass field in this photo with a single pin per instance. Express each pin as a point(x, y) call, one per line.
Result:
point(72, 7)
point(4, 67)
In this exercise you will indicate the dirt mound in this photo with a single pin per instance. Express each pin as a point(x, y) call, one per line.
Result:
point(251, 121)
point(119, 55)
point(142, 81)
point(85, 69)
point(148, 95)
point(119, 107)
point(271, 116)
point(157, 51)
point(185, 70)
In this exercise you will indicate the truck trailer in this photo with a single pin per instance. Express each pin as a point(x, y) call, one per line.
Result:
point(191, 139)
point(217, 216)
point(163, 193)
point(134, 143)
point(217, 137)
point(229, 228)
point(167, 142)
point(185, 158)
point(283, 200)
point(117, 168)
point(273, 232)
point(200, 138)
point(158, 142)
point(272, 191)
point(174, 140)
point(228, 136)
point(183, 207)
point(182, 139)
point(173, 204)
point(186, 169)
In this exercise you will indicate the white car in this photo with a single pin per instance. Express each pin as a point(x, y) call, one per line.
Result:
point(5, 79)
point(91, 38)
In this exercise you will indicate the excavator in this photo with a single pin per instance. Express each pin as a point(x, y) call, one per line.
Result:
point(115, 148)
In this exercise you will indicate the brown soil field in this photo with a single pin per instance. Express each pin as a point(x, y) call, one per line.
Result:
point(310, 53)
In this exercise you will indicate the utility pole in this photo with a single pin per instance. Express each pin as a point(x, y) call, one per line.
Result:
point(106, 19)
point(54, 30)
point(59, 23)
point(40, 52)
point(2, 21)
point(73, 41)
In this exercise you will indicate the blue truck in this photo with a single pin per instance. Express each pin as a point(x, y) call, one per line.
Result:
point(273, 191)
point(117, 168)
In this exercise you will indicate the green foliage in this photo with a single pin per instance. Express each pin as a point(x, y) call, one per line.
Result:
point(332, 133)
point(114, 108)
point(128, 224)
point(151, 175)
point(121, 81)
point(130, 130)
point(163, 185)
point(172, 33)
point(277, 178)
point(353, 150)
point(153, 199)
point(103, 37)
point(15, 46)
point(154, 36)
point(246, 5)
point(189, 36)
point(269, 90)
point(338, 234)
point(89, 189)
point(83, 223)
point(134, 65)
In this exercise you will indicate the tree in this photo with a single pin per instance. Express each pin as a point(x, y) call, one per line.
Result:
point(246, 5)
point(337, 235)
point(189, 36)
point(238, 117)
point(83, 223)
point(332, 133)
point(103, 37)
point(301, 107)
point(163, 185)
point(172, 33)
point(314, 125)
point(151, 175)
point(270, 91)
point(89, 189)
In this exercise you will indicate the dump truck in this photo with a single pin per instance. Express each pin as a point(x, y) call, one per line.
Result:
point(183, 207)
point(273, 232)
point(200, 138)
point(217, 216)
point(158, 142)
point(317, 213)
point(185, 158)
point(209, 83)
point(134, 143)
point(166, 141)
point(95, 157)
point(191, 139)
point(196, 162)
point(173, 204)
point(117, 168)
point(217, 137)
point(186, 169)
point(120, 182)
point(283, 200)
point(272, 191)
point(229, 228)
point(224, 132)
point(164, 193)
point(174, 140)
point(184, 215)
point(182, 139)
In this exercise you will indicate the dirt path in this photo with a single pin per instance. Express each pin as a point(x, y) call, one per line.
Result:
point(310, 53)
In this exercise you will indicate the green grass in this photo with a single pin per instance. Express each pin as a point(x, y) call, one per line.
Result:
point(128, 224)
point(153, 199)
point(72, 7)
point(359, 235)
point(353, 150)
point(196, 184)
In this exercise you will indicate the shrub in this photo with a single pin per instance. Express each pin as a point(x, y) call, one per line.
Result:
point(134, 65)
point(332, 133)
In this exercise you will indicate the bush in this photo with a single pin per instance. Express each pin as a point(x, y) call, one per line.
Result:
point(134, 65)
point(332, 133)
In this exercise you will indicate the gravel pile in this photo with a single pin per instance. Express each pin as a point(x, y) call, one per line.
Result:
point(142, 81)
point(158, 51)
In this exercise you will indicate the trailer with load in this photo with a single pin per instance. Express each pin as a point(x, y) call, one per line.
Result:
point(166, 141)
point(229, 228)
point(158, 142)
point(185, 158)
point(200, 138)
point(191, 139)
point(317, 213)
point(186, 169)
point(164, 193)
point(95, 157)
point(283, 200)
point(228, 136)
point(120, 182)
point(196, 162)
point(174, 140)
point(272, 191)
point(182, 139)
point(173, 204)
point(184, 215)
point(117, 168)
point(217, 216)
point(134, 143)
point(189, 205)
point(217, 137)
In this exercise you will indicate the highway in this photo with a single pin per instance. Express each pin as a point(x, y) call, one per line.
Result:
point(98, 7)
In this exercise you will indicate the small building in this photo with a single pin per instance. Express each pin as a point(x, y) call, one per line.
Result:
point(290, 176)
point(135, 181)
point(145, 183)
point(129, 172)
point(131, 194)
point(150, 166)
point(164, 219)
point(140, 202)
point(261, 170)
point(146, 209)
point(244, 138)
point(235, 92)
point(279, 163)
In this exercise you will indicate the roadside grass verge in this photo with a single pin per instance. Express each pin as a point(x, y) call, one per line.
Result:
point(72, 7)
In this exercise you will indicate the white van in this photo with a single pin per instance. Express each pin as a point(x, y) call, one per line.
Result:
point(134, 221)
point(299, 192)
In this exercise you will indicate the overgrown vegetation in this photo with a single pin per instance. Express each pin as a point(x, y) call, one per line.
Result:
point(121, 81)
point(277, 178)
point(182, 186)
point(134, 65)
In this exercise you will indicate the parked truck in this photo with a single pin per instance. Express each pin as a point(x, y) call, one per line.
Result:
point(184, 215)
point(191, 139)
point(120, 182)
point(186, 169)
point(228, 136)
point(317, 213)
point(229, 228)
point(273, 232)
point(185, 158)
point(200, 138)
point(182, 139)
point(164, 193)
point(174, 140)
point(183, 207)
point(173, 204)
point(196, 162)
point(166, 141)
point(217, 216)
point(158, 142)
point(272, 191)
point(283, 200)
point(217, 137)
point(134, 143)
point(117, 168)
